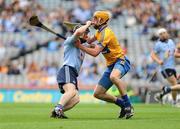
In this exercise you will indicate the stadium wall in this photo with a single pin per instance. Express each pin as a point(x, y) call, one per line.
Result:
point(51, 96)
point(41, 96)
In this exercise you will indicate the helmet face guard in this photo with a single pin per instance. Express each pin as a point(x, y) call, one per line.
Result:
point(97, 26)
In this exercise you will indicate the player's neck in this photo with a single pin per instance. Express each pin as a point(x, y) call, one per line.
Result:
point(164, 40)
point(102, 27)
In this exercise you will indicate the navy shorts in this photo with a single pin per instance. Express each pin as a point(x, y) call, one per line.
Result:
point(122, 65)
point(66, 74)
point(168, 73)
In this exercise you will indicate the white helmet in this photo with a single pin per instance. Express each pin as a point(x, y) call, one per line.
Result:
point(161, 30)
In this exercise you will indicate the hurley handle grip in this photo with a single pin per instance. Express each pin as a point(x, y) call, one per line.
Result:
point(60, 36)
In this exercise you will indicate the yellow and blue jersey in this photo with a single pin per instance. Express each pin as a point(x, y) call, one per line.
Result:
point(112, 49)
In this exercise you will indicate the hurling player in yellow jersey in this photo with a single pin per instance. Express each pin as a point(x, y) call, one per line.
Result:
point(117, 63)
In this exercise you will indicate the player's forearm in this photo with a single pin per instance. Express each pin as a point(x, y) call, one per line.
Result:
point(156, 59)
point(90, 51)
point(82, 29)
point(177, 54)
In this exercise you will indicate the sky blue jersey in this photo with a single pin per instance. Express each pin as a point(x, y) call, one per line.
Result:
point(73, 56)
point(162, 49)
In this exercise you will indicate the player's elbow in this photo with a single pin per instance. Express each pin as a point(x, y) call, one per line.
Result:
point(95, 54)
point(77, 32)
point(97, 95)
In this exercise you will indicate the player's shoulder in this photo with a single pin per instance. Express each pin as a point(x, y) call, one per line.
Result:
point(158, 42)
point(70, 39)
point(109, 30)
point(73, 37)
point(170, 41)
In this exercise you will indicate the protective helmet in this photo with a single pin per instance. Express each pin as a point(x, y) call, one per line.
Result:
point(103, 15)
point(161, 30)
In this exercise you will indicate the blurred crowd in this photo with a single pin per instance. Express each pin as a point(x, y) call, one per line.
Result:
point(14, 17)
point(150, 14)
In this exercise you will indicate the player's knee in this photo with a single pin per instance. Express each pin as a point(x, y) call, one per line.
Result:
point(97, 95)
point(115, 75)
point(173, 83)
point(70, 89)
point(72, 92)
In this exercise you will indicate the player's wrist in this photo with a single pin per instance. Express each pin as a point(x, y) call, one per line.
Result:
point(80, 46)
point(161, 62)
point(88, 23)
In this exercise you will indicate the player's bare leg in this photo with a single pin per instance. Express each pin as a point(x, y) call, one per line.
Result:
point(100, 93)
point(115, 78)
point(175, 87)
point(75, 100)
point(173, 81)
point(166, 90)
point(128, 110)
point(70, 92)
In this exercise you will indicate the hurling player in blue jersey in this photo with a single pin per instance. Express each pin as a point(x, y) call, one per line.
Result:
point(164, 53)
point(67, 74)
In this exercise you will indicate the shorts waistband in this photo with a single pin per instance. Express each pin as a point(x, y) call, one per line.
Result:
point(120, 59)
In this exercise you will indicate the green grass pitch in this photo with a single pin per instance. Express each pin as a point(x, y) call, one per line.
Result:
point(88, 116)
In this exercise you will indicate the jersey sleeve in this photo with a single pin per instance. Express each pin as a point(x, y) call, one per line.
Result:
point(70, 40)
point(156, 48)
point(105, 38)
point(173, 44)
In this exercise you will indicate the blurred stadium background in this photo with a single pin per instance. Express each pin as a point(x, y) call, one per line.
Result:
point(30, 57)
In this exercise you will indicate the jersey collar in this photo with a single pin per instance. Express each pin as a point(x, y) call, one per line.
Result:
point(165, 41)
point(100, 29)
